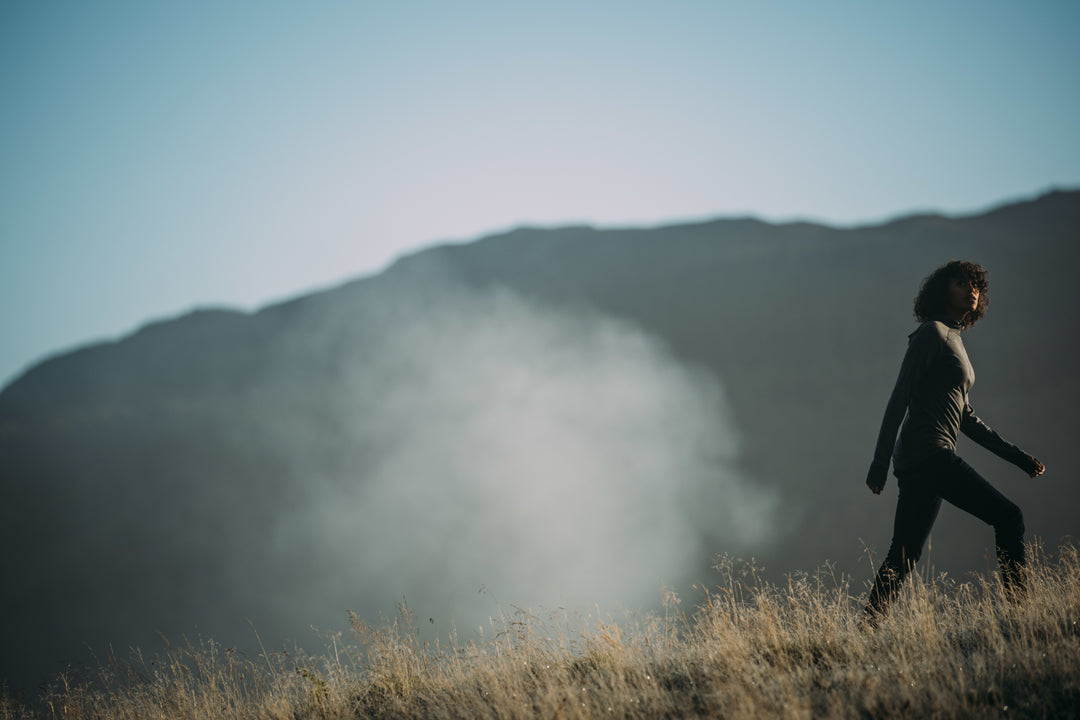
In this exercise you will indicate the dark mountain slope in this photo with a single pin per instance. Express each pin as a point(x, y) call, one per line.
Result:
point(175, 479)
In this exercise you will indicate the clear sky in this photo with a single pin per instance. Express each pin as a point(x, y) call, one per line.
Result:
point(156, 157)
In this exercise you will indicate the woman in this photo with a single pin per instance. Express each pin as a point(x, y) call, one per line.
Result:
point(932, 391)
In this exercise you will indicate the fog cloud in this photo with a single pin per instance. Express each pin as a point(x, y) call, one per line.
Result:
point(554, 456)
point(402, 437)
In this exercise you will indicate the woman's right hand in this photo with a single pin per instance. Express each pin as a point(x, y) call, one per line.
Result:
point(875, 479)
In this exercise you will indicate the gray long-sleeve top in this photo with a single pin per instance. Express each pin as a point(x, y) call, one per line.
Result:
point(932, 390)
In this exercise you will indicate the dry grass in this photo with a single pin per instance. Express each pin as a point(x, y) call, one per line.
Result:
point(751, 649)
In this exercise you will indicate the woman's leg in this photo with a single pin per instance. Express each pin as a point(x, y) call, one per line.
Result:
point(916, 510)
point(962, 486)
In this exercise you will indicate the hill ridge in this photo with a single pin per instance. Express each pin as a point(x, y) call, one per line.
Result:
point(225, 464)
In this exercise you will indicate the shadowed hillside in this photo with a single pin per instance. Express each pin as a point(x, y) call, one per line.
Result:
point(594, 411)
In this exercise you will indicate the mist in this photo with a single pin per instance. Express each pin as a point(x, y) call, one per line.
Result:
point(465, 449)
point(547, 457)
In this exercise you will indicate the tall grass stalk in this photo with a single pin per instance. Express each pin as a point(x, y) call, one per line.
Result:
point(749, 649)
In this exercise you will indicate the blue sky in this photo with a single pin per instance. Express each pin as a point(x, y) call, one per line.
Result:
point(155, 157)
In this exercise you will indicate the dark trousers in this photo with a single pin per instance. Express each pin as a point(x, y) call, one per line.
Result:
point(947, 477)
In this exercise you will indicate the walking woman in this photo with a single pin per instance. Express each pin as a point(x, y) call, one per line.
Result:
point(932, 392)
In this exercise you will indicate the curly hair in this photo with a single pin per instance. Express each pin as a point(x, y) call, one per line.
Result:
point(933, 294)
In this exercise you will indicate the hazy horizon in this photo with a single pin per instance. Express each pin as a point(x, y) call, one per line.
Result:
point(287, 295)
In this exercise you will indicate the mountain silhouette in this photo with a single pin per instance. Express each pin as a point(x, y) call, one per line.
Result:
point(191, 475)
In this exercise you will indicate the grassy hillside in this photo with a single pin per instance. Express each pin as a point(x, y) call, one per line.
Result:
point(749, 649)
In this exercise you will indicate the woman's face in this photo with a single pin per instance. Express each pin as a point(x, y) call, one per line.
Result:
point(963, 296)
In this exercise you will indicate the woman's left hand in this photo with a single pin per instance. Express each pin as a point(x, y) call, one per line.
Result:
point(1032, 466)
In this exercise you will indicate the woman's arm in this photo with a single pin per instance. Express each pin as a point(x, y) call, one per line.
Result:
point(983, 434)
point(923, 347)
